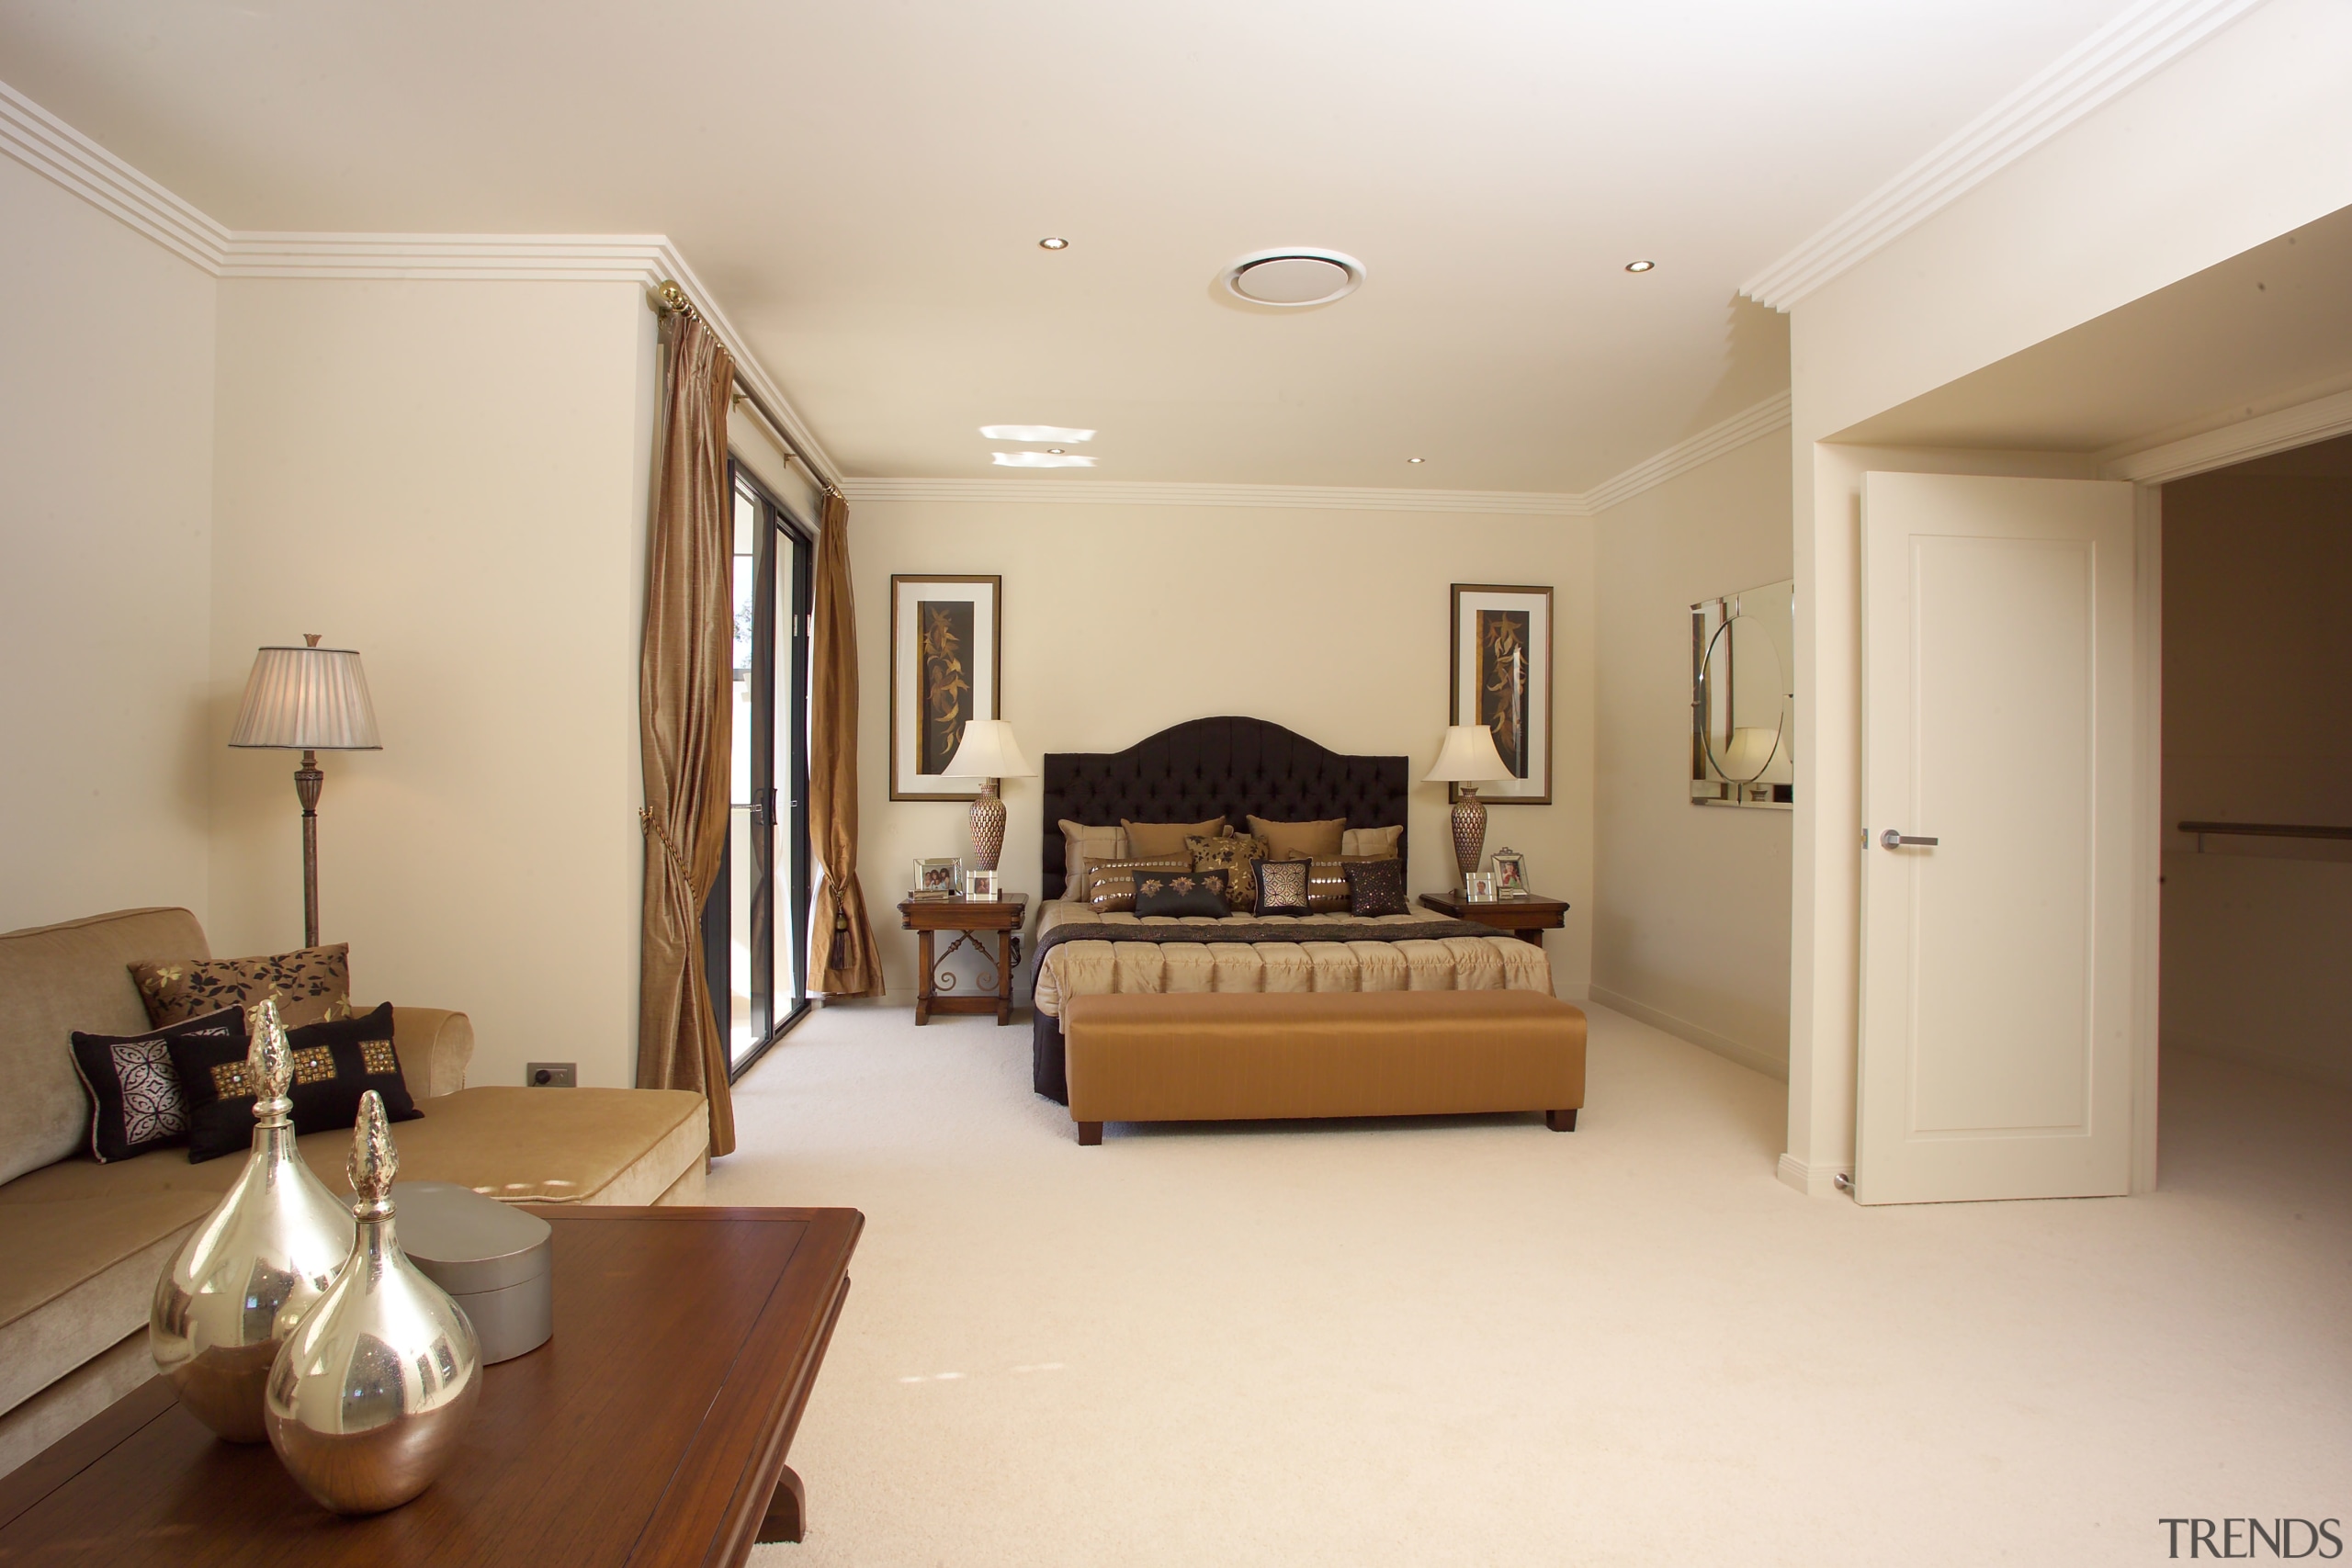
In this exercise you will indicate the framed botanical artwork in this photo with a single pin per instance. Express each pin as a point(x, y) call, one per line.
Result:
point(945, 657)
point(1511, 874)
point(1502, 679)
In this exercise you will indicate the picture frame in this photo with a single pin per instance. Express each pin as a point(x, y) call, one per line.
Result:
point(981, 886)
point(1501, 675)
point(1511, 874)
point(938, 876)
point(946, 656)
point(1478, 887)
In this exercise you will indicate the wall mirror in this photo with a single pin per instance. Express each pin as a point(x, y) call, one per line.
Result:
point(1743, 703)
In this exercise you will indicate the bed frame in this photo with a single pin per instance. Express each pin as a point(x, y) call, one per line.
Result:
point(1209, 767)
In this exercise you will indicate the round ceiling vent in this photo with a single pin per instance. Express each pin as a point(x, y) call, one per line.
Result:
point(1294, 276)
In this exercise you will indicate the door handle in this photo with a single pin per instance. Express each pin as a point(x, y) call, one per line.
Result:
point(1891, 839)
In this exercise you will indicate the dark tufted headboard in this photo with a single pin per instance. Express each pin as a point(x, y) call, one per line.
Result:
point(1204, 766)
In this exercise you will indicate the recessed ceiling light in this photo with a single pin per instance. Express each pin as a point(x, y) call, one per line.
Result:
point(1035, 432)
point(1640, 266)
point(1417, 459)
point(1040, 460)
point(1293, 276)
point(1055, 450)
point(1053, 245)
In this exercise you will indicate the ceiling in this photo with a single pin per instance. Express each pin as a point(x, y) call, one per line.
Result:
point(862, 186)
point(2267, 329)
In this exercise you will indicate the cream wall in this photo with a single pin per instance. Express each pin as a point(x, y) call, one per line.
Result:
point(106, 533)
point(2257, 567)
point(2245, 138)
point(452, 478)
point(1690, 929)
point(1120, 620)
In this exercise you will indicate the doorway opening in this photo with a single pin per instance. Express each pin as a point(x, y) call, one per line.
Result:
point(755, 922)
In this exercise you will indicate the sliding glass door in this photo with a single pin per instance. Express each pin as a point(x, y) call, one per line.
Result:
point(755, 925)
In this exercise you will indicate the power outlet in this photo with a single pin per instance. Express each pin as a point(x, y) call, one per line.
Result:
point(551, 1075)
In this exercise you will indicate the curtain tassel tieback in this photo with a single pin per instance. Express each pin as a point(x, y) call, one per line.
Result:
point(654, 825)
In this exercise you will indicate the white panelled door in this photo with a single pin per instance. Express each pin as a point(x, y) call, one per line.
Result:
point(1997, 738)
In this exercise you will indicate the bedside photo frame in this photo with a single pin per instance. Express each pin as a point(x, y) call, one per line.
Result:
point(1511, 874)
point(938, 876)
point(945, 658)
point(1478, 887)
point(981, 886)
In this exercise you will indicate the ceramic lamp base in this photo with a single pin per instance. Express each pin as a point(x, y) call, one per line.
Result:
point(1469, 829)
point(988, 827)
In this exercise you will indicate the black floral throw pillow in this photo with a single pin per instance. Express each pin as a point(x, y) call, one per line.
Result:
point(135, 1099)
point(1182, 893)
point(1376, 887)
point(335, 1063)
point(1282, 886)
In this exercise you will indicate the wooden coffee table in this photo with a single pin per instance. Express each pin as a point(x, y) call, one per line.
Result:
point(652, 1428)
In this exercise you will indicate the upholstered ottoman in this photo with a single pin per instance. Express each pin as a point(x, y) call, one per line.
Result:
point(1219, 1057)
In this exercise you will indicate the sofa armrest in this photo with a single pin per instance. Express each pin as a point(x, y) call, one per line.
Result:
point(435, 1046)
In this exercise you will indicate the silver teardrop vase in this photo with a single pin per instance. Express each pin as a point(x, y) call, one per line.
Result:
point(372, 1392)
point(254, 1266)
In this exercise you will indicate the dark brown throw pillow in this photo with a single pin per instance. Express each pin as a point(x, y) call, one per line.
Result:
point(135, 1099)
point(1326, 885)
point(335, 1063)
point(1282, 886)
point(1182, 893)
point(312, 985)
point(1376, 886)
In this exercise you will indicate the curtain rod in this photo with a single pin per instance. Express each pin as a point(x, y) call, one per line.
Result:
point(669, 300)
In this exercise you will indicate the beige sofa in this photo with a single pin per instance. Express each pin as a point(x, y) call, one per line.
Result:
point(81, 1242)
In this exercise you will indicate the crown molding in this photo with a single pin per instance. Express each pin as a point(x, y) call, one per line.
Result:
point(1748, 424)
point(48, 146)
point(2118, 57)
point(2319, 420)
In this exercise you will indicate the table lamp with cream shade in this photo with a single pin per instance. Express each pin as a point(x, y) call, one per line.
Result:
point(988, 752)
point(308, 699)
point(1468, 759)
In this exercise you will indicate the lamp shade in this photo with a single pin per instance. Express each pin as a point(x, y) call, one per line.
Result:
point(1468, 756)
point(307, 699)
point(988, 752)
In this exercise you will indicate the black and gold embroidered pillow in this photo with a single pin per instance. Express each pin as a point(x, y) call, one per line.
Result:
point(1376, 886)
point(1201, 893)
point(135, 1099)
point(1234, 854)
point(335, 1063)
point(1282, 886)
point(1110, 886)
point(1327, 884)
point(312, 985)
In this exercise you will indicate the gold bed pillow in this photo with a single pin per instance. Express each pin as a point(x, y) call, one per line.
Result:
point(1111, 886)
point(1371, 840)
point(1167, 838)
point(1299, 840)
point(1234, 854)
point(1083, 845)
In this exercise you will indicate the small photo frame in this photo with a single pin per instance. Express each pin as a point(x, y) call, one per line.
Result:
point(980, 886)
point(938, 876)
point(1478, 887)
point(1511, 874)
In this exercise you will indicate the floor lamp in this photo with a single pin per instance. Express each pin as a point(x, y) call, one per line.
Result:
point(308, 699)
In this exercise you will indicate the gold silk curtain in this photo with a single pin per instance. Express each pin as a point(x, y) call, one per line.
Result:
point(685, 720)
point(841, 961)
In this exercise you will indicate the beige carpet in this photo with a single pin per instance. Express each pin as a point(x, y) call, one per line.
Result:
point(1479, 1342)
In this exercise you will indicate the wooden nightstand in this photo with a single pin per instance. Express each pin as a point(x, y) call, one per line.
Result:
point(968, 918)
point(1527, 918)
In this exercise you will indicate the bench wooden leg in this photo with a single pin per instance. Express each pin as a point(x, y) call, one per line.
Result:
point(788, 1516)
point(1560, 1121)
point(1090, 1133)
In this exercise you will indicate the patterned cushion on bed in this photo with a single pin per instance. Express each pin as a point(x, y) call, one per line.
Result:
point(1326, 885)
point(1233, 854)
point(1182, 893)
point(1376, 886)
point(1282, 886)
point(1111, 886)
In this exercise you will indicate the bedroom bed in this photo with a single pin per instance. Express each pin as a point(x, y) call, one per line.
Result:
point(1234, 768)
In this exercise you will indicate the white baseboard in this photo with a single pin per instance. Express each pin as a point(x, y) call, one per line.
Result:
point(2335, 1075)
point(1812, 1180)
point(1722, 1046)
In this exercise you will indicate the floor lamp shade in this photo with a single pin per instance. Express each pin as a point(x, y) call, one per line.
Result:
point(309, 700)
point(988, 753)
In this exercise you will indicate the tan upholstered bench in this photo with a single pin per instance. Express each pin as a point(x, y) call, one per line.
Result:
point(1221, 1058)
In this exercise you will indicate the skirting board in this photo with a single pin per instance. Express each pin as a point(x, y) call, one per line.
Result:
point(1722, 1046)
point(1812, 1180)
point(2334, 1076)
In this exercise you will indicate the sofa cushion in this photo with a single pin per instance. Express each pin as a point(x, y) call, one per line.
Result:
point(55, 980)
point(136, 1102)
point(335, 1063)
point(311, 984)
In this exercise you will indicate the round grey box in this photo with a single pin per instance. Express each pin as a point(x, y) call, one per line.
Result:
point(494, 1260)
